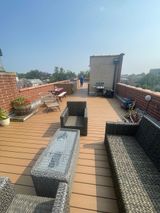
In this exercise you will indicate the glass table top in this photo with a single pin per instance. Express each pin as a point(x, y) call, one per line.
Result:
point(57, 155)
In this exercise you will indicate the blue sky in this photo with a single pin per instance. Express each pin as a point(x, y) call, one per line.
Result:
point(42, 34)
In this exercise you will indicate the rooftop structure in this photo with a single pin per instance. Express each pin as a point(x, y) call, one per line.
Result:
point(155, 71)
point(106, 69)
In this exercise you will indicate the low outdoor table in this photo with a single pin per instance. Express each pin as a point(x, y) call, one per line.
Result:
point(57, 162)
point(57, 91)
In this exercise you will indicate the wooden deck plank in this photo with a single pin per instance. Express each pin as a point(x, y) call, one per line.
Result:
point(93, 170)
point(94, 190)
point(92, 156)
point(20, 149)
point(92, 179)
point(96, 163)
point(16, 161)
point(24, 145)
point(93, 203)
point(23, 140)
point(15, 169)
point(79, 210)
point(19, 155)
point(93, 151)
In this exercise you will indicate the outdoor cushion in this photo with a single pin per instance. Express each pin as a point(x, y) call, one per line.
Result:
point(74, 121)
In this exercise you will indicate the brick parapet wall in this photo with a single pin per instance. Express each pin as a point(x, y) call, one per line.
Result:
point(9, 91)
point(138, 94)
point(33, 93)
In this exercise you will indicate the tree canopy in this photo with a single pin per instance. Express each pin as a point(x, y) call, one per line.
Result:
point(59, 74)
point(35, 74)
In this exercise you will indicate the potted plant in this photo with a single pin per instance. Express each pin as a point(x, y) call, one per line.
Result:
point(21, 105)
point(4, 118)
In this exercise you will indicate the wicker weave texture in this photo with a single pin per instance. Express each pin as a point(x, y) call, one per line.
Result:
point(11, 203)
point(43, 179)
point(28, 204)
point(6, 193)
point(136, 178)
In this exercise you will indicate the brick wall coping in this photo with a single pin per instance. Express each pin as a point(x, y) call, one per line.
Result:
point(147, 91)
point(7, 73)
point(43, 85)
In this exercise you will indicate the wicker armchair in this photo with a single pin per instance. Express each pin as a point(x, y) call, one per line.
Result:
point(11, 203)
point(75, 116)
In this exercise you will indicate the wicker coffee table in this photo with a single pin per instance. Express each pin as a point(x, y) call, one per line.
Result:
point(57, 163)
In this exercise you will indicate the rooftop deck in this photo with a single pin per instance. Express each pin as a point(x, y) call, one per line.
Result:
point(22, 143)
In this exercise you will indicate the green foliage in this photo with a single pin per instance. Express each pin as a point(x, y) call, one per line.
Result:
point(150, 81)
point(60, 74)
point(20, 101)
point(34, 74)
point(85, 74)
point(3, 114)
point(146, 81)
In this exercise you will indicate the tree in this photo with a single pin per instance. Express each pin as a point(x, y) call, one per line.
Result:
point(60, 74)
point(85, 74)
point(35, 74)
point(70, 75)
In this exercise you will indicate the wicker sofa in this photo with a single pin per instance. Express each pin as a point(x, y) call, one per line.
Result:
point(75, 116)
point(134, 154)
point(18, 203)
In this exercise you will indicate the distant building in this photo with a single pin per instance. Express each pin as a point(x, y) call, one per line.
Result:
point(155, 71)
point(23, 83)
point(35, 82)
point(124, 78)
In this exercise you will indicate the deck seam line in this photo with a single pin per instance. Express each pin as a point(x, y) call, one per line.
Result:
point(90, 209)
point(94, 184)
point(94, 196)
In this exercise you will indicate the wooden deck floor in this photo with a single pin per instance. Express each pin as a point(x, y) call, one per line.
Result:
point(22, 143)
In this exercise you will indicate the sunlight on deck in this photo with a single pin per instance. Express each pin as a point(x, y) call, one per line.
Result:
point(22, 143)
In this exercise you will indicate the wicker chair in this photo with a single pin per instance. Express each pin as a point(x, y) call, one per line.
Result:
point(75, 116)
point(134, 154)
point(11, 203)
